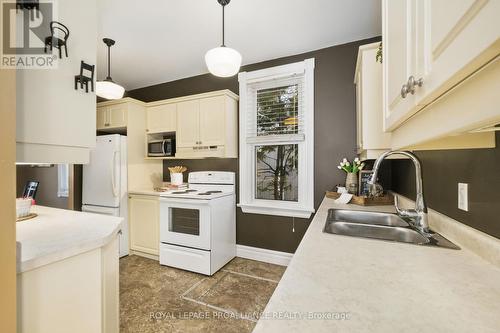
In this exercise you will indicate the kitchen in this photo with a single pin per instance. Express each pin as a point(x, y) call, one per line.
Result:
point(205, 194)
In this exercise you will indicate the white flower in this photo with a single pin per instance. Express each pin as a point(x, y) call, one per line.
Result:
point(348, 164)
point(356, 160)
point(345, 160)
point(341, 164)
point(338, 166)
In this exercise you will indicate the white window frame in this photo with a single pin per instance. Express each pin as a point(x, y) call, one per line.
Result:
point(304, 207)
point(63, 180)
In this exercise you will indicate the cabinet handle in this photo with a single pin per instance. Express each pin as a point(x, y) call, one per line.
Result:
point(404, 90)
point(412, 84)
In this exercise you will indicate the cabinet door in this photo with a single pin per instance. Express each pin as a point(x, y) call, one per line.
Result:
point(398, 60)
point(188, 124)
point(212, 121)
point(102, 118)
point(144, 224)
point(454, 41)
point(162, 118)
point(117, 115)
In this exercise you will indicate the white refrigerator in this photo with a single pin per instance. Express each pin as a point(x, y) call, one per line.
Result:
point(105, 182)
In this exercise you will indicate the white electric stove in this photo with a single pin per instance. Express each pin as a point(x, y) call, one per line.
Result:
point(198, 224)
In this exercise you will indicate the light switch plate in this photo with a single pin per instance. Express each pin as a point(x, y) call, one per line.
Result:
point(463, 196)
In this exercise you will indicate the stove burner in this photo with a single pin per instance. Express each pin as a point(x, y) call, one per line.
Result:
point(209, 192)
point(184, 192)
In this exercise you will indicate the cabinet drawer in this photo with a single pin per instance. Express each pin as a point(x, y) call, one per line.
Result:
point(185, 258)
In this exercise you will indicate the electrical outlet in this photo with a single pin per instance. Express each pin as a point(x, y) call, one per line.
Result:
point(463, 196)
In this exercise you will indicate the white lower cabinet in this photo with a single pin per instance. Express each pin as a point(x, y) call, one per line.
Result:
point(144, 223)
point(79, 294)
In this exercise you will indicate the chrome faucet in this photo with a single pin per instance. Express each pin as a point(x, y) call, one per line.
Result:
point(419, 214)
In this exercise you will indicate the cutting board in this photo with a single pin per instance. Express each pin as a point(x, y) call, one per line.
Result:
point(385, 200)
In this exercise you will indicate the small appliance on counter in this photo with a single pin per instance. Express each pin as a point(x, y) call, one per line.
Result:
point(198, 224)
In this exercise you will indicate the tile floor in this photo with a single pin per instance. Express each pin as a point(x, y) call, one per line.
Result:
point(156, 298)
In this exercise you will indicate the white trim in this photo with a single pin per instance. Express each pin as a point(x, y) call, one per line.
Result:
point(276, 210)
point(304, 207)
point(264, 255)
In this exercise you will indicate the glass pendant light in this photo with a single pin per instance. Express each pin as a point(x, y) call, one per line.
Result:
point(223, 61)
point(107, 88)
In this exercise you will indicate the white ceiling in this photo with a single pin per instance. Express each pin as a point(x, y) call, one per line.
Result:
point(164, 40)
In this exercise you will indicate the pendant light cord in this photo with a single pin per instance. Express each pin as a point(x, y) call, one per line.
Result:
point(109, 63)
point(223, 42)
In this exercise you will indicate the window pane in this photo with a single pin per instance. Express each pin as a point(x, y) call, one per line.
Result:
point(277, 110)
point(276, 172)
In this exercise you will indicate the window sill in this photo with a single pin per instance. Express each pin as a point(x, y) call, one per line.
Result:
point(277, 211)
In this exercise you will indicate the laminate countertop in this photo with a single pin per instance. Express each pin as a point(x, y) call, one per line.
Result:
point(338, 283)
point(57, 234)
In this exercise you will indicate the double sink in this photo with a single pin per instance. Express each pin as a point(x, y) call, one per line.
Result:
point(383, 226)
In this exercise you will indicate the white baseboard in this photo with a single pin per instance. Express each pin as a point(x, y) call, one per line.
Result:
point(264, 255)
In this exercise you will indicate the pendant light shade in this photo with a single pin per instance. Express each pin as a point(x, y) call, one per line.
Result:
point(108, 89)
point(223, 61)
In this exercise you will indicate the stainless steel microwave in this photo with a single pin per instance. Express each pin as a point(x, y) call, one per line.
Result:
point(159, 148)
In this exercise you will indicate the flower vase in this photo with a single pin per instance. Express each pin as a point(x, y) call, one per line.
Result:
point(351, 183)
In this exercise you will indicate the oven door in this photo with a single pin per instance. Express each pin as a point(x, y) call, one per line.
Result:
point(185, 223)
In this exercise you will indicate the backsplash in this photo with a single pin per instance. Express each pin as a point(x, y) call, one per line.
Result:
point(443, 170)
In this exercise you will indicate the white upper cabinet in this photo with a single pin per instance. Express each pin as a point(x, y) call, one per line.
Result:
point(454, 39)
point(430, 46)
point(204, 125)
point(371, 138)
point(112, 116)
point(398, 55)
point(212, 121)
point(188, 124)
point(162, 118)
point(56, 123)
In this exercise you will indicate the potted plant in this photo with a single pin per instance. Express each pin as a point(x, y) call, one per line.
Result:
point(352, 169)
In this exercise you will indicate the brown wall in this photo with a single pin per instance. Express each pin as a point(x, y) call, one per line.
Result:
point(335, 135)
point(443, 170)
point(47, 189)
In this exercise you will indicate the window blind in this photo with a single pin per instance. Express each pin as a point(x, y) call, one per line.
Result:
point(276, 110)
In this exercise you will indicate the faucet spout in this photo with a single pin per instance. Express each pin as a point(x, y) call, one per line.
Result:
point(420, 212)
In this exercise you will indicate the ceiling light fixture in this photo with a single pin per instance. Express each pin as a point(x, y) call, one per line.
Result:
point(223, 61)
point(107, 88)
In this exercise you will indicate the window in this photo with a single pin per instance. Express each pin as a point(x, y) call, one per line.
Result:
point(277, 140)
point(63, 180)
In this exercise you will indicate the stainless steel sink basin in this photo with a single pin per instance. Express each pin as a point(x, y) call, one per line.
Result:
point(384, 226)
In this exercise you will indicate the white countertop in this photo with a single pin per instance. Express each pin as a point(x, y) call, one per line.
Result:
point(56, 234)
point(382, 286)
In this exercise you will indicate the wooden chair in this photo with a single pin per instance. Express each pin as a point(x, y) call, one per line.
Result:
point(85, 79)
point(58, 38)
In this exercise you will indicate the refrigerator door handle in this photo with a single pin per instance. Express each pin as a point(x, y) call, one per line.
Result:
point(113, 166)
